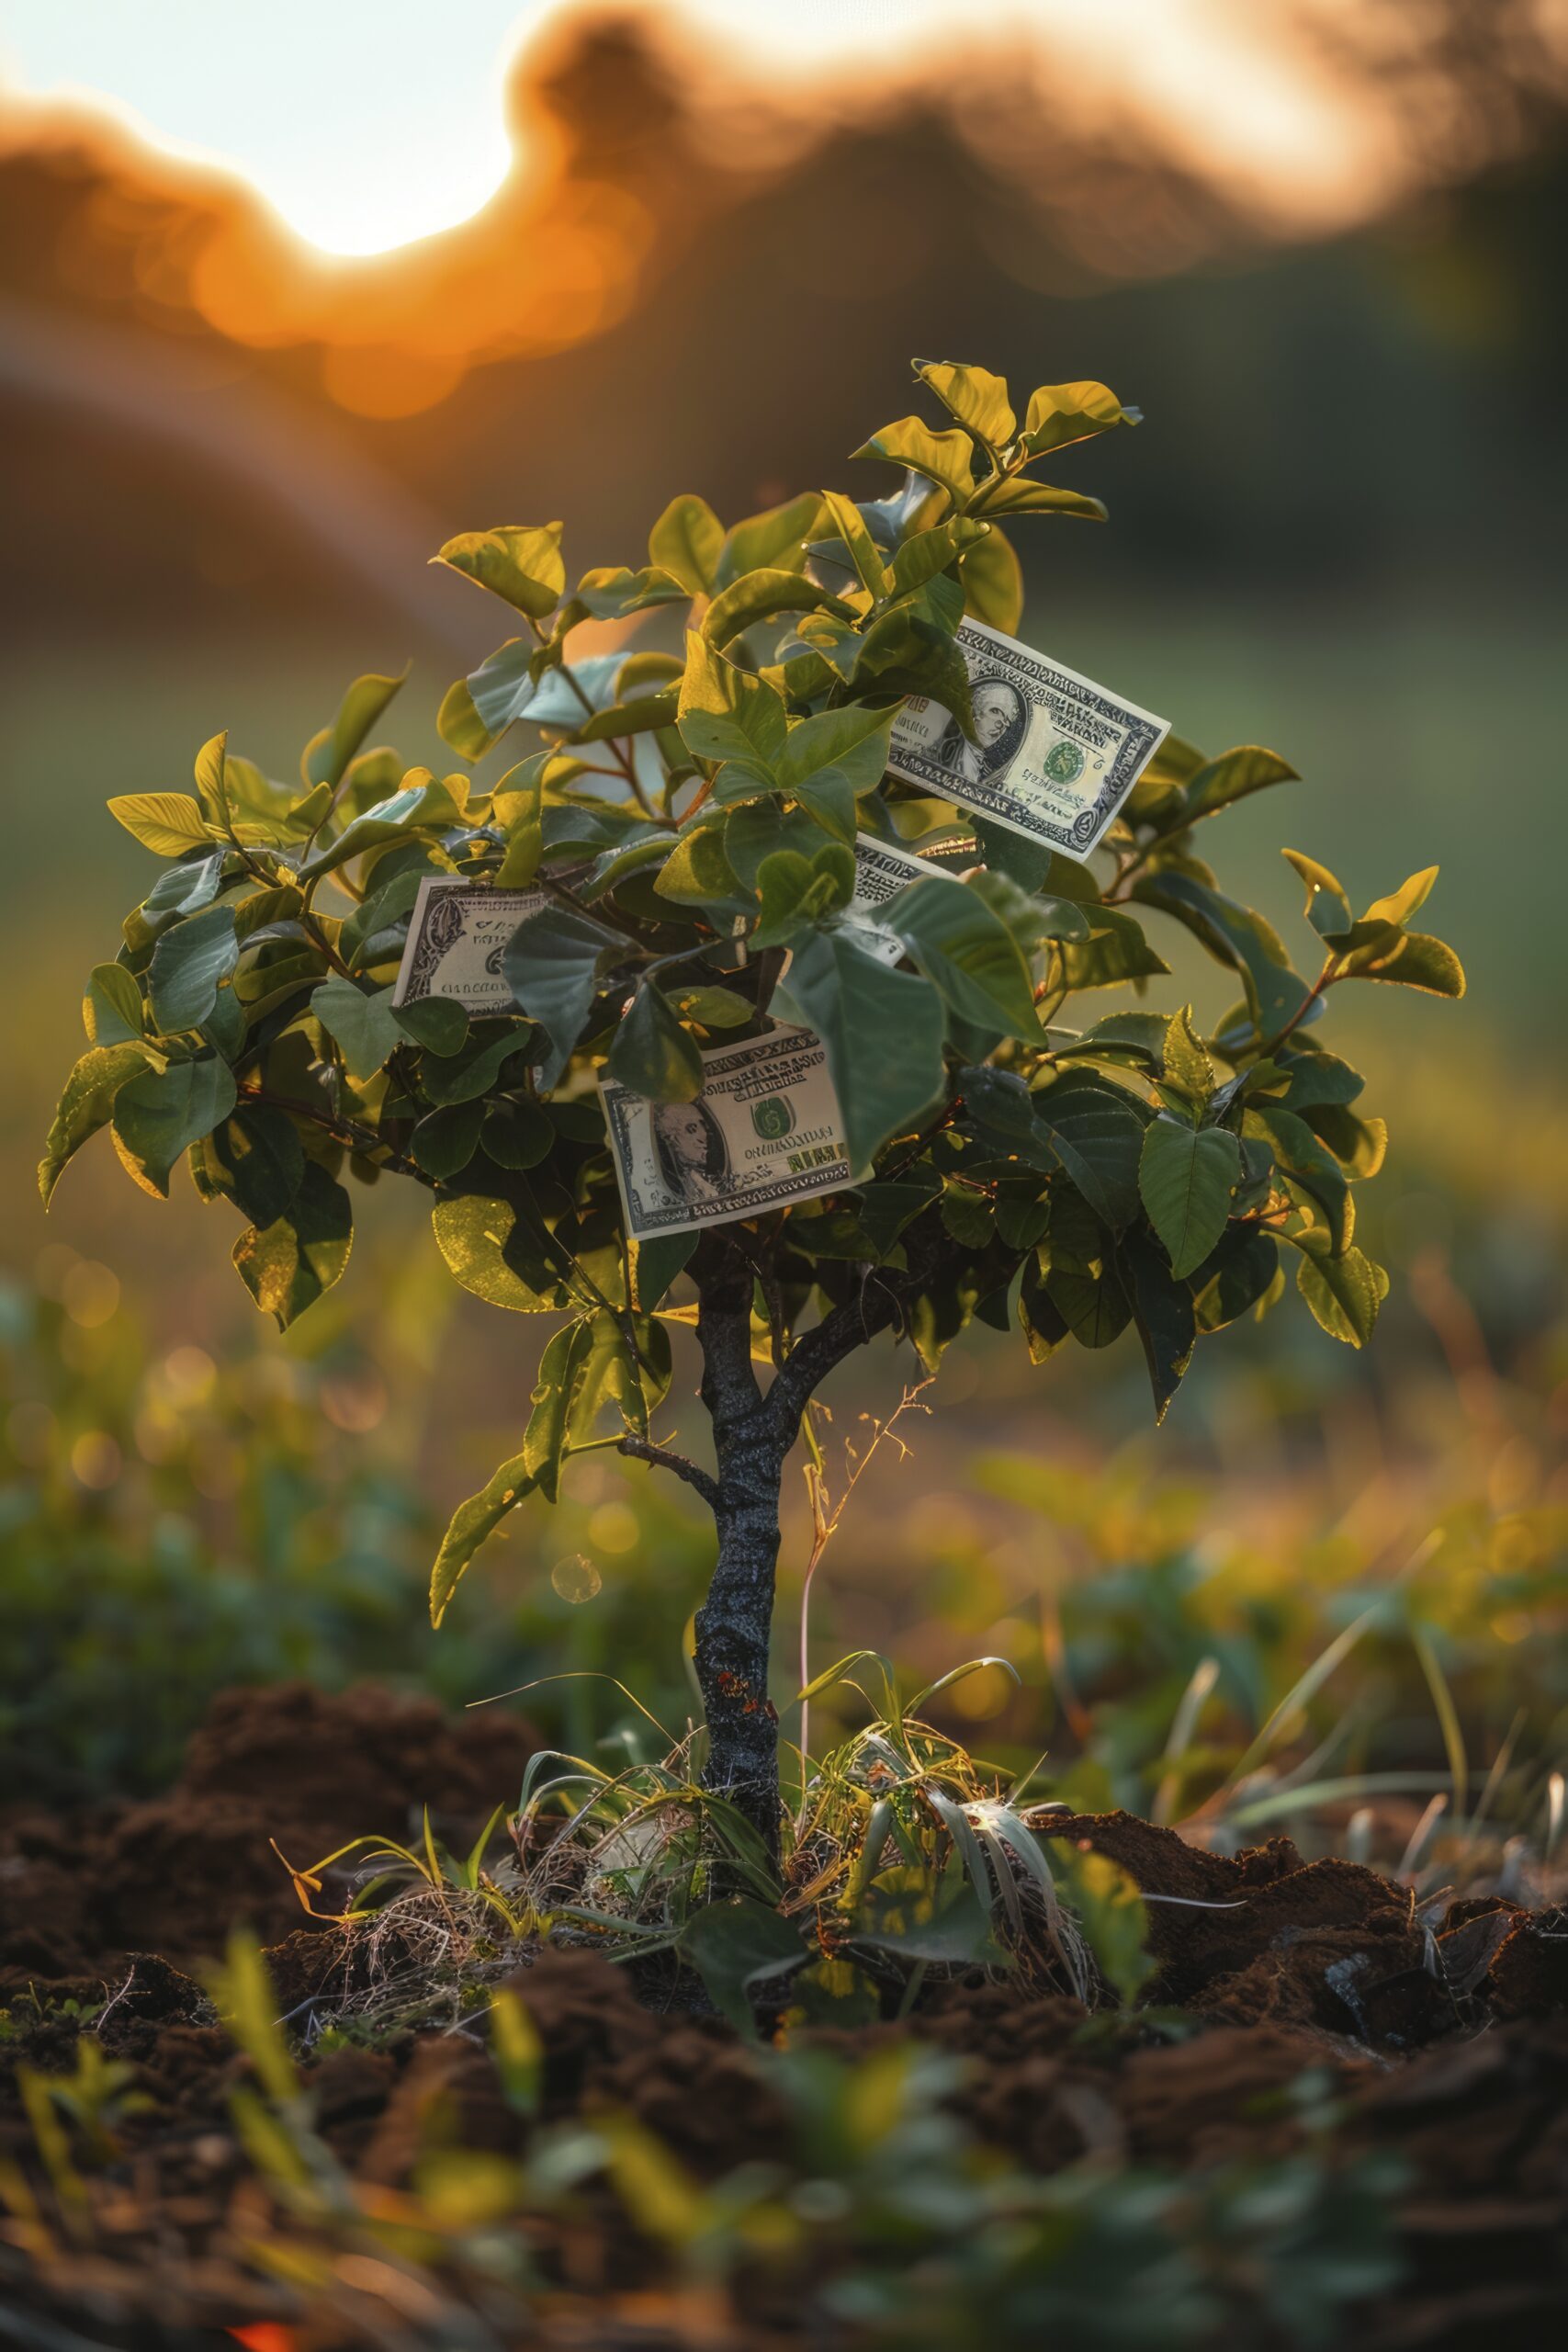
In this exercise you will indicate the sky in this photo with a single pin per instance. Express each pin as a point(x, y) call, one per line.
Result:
point(369, 123)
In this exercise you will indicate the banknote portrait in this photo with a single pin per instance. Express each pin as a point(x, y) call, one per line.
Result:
point(1001, 718)
point(689, 1145)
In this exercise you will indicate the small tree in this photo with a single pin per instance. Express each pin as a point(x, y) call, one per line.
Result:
point(689, 819)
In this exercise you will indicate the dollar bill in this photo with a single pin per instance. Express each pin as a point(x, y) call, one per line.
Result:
point(881, 871)
point(764, 1131)
point(457, 935)
point(1056, 757)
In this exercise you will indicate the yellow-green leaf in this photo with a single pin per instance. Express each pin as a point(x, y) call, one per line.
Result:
point(686, 540)
point(168, 824)
point(519, 562)
point(472, 1525)
point(974, 396)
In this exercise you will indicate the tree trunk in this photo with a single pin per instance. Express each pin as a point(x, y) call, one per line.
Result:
point(734, 1623)
point(733, 1627)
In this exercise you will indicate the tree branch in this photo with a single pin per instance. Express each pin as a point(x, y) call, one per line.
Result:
point(724, 1279)
point(641, 1449)
point(884, 1298)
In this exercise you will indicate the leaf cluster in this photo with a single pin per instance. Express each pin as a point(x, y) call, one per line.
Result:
point(695, 745)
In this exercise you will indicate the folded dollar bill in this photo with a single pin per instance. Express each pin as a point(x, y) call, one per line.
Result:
point(457, 935)
point(1057, 756)
point(881, 871)
point(764, 1131)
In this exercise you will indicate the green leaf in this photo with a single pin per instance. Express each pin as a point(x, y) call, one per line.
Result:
point(883, 1031)
point(798, 890)
point(975, 397)
point(653, 1054)
point(1343, 1293)
point(763, 541)
point(189, 963)
point(457, 722)
point(328, 755)
point(1186, 1176)
point(1235, 935)
point(1113, 1917)
point(1317, 1078)
point(640, 716)
point(737, 1946)
point(1238, 1272)
point(992, 581)
point(967, 951)
point(552, 963)
point(969, 1217)
point(1314, 1168)
point(849, 745)
point(755, 832)
point(1249, 768)
point(159, 1114)
point(363, 1022)
point(471, 1525)
point(491, 1251)
point(1327, 907)
point(714, 1008)
point(288, 1265)
point(1401, 904)
point(1095, 1307)
point(687, 540)
point(587, 1364)
point(87, 1104)
point(698, 871)
point(517, 1135)
point(169, 823)
point(758, 595)
point(1097, 1137)
point(1415, 960)
point(1059, 415)
point(437, 1022)
point(849, 523)
point(464, 1076)
point(1117, 951)
point(260, 1149)
point(907, 653)
point(1184, 1061)
point(655, 1264)
point(422, 802)
point(920, 558)
point(1021, 496)
point(613, 593)
point(1163, 1311)
point(947, 458)
point(920, 1915)
point(520, 563)
point(191, 882)
point(499, 692)
point(445, 1140)
point(726, 714)
point(111, 1010)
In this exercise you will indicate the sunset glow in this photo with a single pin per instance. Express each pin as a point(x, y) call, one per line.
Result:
point(368, 128)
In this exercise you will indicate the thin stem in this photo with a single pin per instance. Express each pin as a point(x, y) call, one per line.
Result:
point(348, 1132)
point(627, 767)
point(639, 1449)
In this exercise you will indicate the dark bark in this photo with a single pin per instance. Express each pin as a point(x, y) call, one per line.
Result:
point(735, 1621)
point(753, 1433)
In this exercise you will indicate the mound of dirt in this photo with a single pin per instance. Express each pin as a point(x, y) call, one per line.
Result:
point(1442, 2041)
point(174, 1874)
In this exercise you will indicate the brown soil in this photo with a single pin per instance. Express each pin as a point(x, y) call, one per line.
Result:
point(79, 1893)
point(1451, 2051)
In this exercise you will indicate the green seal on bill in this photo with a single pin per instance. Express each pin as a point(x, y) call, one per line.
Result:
point(772, 1117)
point(1064, 763)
